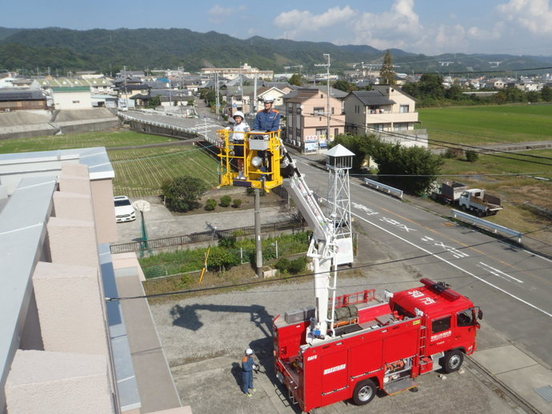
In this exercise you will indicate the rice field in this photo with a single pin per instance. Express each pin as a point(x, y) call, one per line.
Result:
point(141, 172)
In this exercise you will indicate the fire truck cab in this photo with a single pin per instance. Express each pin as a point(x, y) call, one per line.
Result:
point(378, 343)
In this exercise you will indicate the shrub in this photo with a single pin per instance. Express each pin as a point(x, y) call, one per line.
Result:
point(182, 193)
point(282, 265)
point(471, 156)
point(222, 258)
point(225, 201)
point(291, 266)
point(227, 241)
point(453, 153)
point(236, 203)
point(210, 204)
point(297, 265)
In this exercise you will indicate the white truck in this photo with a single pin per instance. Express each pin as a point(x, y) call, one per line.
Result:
point(479, 202)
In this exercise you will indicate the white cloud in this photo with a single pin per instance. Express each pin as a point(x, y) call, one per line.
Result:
point(297, 22)
point(218, 13)
point(394, 28)
point(533, 15)
point(400, 26)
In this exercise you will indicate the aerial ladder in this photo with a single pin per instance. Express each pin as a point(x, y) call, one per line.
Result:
point(266, 162)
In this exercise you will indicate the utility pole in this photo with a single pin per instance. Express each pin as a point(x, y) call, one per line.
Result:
point(254, 110)
point(217, 106)
point(258, 240)
point(328, 110)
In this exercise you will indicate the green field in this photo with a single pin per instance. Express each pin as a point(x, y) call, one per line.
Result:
point(106, 139)
point(141, 172)
point(138, 172)
point(490, 124)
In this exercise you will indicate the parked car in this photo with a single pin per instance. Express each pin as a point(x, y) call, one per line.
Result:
point(123, 209)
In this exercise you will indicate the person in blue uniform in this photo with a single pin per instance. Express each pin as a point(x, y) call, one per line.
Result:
point(268, 119)
point(248, 365)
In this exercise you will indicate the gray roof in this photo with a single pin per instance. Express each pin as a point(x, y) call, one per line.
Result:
point(374, 97)
point(15, 94)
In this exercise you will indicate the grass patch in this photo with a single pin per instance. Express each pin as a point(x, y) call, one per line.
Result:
point(489, 124)
point(518, 193)
point(106, 139)
point(229, 253)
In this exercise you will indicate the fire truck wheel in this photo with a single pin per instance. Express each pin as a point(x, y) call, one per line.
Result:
point(452, 361)
point(364, 392)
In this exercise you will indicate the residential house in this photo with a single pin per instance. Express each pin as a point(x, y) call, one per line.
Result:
point(237, 98)
point(273, 92)
point(386, 111)
point(307, 118)
point(127, 88)
point(13, 99)
point(167, 97)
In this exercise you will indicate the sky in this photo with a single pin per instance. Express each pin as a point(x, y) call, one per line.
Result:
point(419, 26)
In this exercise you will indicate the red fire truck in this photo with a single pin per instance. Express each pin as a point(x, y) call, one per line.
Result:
point(377, 343)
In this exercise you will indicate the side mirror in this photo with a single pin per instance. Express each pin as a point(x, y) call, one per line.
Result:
point(479, 314)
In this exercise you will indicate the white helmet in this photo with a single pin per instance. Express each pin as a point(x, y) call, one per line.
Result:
point(248, 351)
point(268, 99)
point(238, 113)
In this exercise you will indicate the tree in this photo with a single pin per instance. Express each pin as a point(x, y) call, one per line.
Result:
point(431, 86)
point(296, 79)
point(345, 86)
point(454, 93)
point(183, 193)
point(387, 74)
point(154, 102)
point(546, 93)
point(411, 169)
point(533, 96)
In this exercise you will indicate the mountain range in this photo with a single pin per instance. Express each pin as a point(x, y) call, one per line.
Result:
point(62, 50)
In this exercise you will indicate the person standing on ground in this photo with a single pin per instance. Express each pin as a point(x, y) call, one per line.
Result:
point(248, 365)
point(238, 137)
point(267, 119)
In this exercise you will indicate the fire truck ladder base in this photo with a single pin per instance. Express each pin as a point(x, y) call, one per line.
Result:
point(399, 386)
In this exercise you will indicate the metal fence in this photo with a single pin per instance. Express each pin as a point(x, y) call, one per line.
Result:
point(206, 236)
point(488, 225)
point(395, 192)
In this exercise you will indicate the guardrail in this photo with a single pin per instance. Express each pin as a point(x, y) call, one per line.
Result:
point(495, 228)
point(395, 192)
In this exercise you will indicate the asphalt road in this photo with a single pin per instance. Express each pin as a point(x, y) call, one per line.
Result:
point(511, 285)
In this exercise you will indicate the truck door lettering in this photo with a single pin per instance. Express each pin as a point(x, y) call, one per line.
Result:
point(334, 369)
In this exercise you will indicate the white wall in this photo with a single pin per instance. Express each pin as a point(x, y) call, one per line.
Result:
point(73, 100)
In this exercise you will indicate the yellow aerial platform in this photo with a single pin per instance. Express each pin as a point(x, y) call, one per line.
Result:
point(261, 153)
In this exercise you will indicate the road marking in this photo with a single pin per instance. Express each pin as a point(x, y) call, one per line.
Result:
point(456, 267)
point(498, 272)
